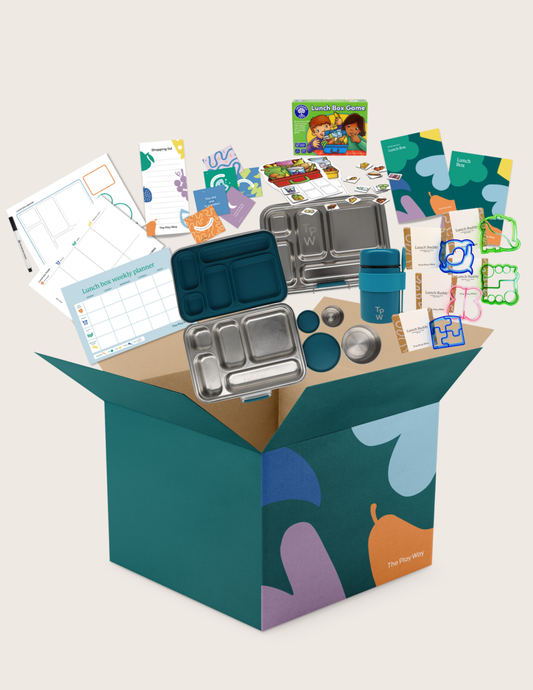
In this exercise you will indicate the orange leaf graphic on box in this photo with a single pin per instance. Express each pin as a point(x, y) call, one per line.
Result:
point(396, 548)
point(205, 224)
point(441, 205)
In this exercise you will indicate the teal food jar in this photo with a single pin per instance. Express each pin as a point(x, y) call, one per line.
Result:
point(381, 284)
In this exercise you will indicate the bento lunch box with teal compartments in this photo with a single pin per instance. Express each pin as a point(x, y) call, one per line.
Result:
point(243, 343)
point(320, 243)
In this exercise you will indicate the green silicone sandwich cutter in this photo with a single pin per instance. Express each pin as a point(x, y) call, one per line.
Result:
point(499, 284)
point(513, 241)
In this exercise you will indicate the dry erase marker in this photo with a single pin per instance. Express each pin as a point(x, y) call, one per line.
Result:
point(17, 237)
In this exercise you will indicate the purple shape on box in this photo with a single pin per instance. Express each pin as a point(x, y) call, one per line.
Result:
point(312, 575)
point(413, 210)
point(239, 207)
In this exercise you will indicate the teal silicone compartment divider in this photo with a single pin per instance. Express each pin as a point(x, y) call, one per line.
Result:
point(229, 275)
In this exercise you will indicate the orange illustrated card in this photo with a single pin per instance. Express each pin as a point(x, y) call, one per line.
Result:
point(205, 224)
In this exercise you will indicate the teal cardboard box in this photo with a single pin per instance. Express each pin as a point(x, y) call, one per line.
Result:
point(269, 510)
point(330, 127)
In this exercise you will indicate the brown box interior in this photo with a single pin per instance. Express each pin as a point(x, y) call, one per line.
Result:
point(164, 363)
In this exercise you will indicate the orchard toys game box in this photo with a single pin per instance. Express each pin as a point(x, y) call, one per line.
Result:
point(333, 128)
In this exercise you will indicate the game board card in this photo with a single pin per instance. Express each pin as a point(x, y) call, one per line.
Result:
point(309, 181)
point(361, 189)
point(353, 200)
point(373, 176)
point(331, 207)
point(381, 201)
point(379, 169)
point(394, 176)
point(381, 188)
point(364, 165)
point(352, 180)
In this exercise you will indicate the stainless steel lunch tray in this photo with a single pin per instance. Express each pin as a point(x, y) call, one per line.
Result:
point(321, 251)
point(245, 355)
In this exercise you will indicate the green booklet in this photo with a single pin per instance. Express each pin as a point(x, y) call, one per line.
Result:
point(481, 182)
point(418, 176)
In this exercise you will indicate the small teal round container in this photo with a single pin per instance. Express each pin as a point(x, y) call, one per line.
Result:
point(381, 282)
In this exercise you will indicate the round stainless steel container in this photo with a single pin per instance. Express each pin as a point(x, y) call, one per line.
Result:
point(332, 316)
point(361, 344)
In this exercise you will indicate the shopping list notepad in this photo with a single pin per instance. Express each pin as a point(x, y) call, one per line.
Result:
point(165, 191)
point(126, 307)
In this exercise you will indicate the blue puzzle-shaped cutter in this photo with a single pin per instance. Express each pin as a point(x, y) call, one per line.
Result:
point(447, 331)
point(447, 252)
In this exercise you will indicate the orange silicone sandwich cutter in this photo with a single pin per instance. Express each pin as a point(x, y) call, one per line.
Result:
point(242, 342)
point(499, 283)
point(476, 315)
point(450, 250)
point(489, 232)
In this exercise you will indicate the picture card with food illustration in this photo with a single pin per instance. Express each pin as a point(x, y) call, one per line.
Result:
point(336, 128)
point(418, 176)
point(301, 180)
point(164, 178)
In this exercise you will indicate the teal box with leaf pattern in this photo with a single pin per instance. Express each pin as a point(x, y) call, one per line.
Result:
point(272, 509)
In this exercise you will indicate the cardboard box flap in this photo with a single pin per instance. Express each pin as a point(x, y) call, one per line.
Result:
point(329, 407)
point(163, 404)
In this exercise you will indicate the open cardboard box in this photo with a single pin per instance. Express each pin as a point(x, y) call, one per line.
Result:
point(271, 509)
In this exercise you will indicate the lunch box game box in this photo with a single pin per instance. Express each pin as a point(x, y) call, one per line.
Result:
point(242, 342)
point(320, 244)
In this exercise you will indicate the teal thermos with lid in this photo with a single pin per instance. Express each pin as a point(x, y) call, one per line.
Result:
point(381, 284)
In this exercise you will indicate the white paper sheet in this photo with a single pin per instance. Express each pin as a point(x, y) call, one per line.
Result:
point(44, 219)
point(103, 239)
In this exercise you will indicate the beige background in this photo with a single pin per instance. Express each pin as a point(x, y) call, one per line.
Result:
point(81, 79)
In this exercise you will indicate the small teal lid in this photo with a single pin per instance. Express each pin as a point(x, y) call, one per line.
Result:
point(379, 258)
point(308, 321)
